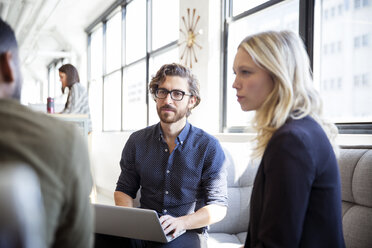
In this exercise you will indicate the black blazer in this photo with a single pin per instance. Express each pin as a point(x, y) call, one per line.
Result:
point(296, 197)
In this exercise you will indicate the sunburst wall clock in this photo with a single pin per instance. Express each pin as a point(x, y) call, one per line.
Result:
point(189, 40)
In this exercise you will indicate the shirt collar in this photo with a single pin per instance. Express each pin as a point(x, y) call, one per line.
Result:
point(180, 138)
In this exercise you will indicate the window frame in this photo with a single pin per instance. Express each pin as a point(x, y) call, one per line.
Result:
point(102, 20)
point(306, 32)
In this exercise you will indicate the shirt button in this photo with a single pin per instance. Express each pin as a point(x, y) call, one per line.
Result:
point(166, 150)
point(164, 211)
point(168, 171)
point(166, 192)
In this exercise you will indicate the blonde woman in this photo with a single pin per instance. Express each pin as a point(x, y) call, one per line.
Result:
point(296, 198)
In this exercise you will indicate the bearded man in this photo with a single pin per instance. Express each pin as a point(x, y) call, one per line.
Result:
point(178, 168)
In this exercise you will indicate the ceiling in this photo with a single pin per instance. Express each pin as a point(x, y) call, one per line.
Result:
point(50, 29)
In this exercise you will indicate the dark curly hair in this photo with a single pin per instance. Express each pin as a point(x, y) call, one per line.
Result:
point(175, 69)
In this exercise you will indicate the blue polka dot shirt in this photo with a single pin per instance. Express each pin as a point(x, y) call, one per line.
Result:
point(192, 176)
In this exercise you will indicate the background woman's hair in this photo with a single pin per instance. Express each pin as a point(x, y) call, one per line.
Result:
point(180, 71)
point(283, 56)
point(71, 74)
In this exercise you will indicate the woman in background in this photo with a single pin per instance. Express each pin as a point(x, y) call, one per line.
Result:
point(296, 197)
point(77, 100)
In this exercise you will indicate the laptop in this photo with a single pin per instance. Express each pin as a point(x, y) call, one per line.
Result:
point(136, 223)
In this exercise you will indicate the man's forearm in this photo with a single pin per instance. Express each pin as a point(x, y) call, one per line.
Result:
point(122, 199)
point(205, 216)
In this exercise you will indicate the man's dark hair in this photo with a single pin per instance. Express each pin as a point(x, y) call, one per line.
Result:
point(7, 38)
point(175, 69)
point(71, 74)
point(8, 43)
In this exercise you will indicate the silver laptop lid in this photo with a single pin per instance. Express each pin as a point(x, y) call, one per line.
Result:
point(136, 223)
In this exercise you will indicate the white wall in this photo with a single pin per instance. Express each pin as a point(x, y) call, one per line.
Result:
point(105, 157)
point(207, 69)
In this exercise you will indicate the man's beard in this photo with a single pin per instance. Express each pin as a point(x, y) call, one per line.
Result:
point(166, 117)
point(18, 88)
point(18, 78)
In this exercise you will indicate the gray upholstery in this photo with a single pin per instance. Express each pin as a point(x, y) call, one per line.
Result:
point(356, 179)
point(232, 230)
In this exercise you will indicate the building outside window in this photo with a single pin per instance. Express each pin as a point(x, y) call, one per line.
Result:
point(340, 54)
point(352, 101)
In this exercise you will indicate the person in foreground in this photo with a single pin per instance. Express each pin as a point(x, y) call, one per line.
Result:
point(77, 100)
point(55, 150)
point(296, 197)
point(179, 167)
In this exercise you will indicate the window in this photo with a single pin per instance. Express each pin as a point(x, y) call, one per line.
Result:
point(95, 85)
point(340, 9)
point(162, 32)
point(339, 50)
point(54, 84)
point(350, 103)
point(332, 46)
point(357, 81)
point(365, 40)
point(361, 41)
point(346, 5)
point(134, 97)
point(122, 47)
point(357, 4)
point(239, 6)
point(51, 79)
point(113, 43)
point(112, 102)
point(135, 36)
point(283, 15)
point(365, 80)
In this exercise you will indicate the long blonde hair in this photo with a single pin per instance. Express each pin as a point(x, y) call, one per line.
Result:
point(283, 55)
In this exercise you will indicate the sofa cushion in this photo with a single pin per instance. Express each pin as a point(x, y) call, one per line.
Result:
point(223, 240)
point(356, 185)
point(241, 172)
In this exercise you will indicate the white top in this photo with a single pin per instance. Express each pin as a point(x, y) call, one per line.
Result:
point(78, 103)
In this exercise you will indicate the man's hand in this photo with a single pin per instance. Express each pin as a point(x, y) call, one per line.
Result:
point(172, 225)
point(205, 216)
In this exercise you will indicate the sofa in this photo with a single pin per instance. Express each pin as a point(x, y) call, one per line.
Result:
point(241, 170)
point(356, 178)
point(356, 184)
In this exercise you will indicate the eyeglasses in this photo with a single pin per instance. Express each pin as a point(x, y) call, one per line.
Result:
point(176, 95)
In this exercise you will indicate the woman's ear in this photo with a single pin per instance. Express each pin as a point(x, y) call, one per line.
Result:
point(6, 70)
